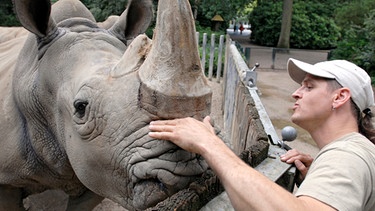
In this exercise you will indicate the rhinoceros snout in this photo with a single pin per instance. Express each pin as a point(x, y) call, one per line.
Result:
point(157, 178)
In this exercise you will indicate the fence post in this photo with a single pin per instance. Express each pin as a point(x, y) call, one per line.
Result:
point(197, 36)
point(273, 58)
point(247, 55)
point(204, 51)
point(219, 62)
point(212, 55)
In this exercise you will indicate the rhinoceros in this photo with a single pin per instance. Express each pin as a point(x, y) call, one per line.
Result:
point(76, 106)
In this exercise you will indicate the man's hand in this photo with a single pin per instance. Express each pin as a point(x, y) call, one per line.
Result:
point(300, 160)
point(187, 133)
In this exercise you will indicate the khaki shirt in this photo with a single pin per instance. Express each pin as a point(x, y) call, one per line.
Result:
point(343, 174)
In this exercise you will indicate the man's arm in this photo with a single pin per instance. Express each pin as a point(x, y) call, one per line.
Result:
point(246, 188)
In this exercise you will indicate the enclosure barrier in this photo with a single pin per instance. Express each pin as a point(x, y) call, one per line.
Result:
point(212, 49)
point(246, 121)
point(247, 126)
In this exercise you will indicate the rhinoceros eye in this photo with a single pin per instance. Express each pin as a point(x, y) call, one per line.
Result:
point(80, 107)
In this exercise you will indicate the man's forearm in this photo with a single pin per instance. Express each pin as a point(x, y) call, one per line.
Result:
point(247, 188)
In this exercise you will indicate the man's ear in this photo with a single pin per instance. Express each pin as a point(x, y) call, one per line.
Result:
point(340, 97)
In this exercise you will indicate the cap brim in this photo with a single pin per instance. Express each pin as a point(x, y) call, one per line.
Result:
point(297, 70)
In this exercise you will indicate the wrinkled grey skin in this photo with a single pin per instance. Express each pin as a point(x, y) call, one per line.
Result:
point(75, 111)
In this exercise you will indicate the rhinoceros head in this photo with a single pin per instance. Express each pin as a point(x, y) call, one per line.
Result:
point(86, 97)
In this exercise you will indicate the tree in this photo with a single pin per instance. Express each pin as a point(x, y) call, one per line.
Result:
point(286, 24)
point(313, 25)
point(357, 43)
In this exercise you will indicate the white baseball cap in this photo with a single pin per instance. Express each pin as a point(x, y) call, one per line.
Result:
point(345, 73)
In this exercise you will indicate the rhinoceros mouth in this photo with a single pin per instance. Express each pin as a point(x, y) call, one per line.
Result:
point(159, 179)
point(148, 193)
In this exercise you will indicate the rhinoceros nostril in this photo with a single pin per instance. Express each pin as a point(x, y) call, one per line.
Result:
point(162, 186)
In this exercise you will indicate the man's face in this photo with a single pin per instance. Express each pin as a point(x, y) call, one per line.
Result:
point(313, 103)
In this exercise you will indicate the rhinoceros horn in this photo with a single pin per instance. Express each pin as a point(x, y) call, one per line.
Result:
point(173, 83)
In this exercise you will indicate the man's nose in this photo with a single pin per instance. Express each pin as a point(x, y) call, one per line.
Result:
point(296, 94)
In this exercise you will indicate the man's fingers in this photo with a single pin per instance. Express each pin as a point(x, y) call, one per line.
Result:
point(299, 164)
point(290, 156)
point(160, 128)
point(207, 122)
point(164, 122)
point(207, 119)
point(159, 135)
point(301, 167)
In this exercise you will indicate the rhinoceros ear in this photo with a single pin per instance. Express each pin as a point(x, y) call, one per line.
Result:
point(34, 15)
point(134, 20)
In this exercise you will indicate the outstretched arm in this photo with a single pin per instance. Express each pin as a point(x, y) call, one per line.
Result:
point(246, 188)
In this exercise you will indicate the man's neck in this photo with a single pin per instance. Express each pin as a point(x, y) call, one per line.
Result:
point(335, 127)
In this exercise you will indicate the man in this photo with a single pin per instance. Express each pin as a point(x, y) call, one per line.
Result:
point(329, 106)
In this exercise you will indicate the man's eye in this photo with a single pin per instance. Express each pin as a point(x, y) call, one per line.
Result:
point(308, 86)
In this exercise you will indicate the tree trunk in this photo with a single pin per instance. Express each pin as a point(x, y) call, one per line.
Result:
point(286, 24)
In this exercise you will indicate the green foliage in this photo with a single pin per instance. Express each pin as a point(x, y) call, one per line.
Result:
point(348, 26)
point(358, 44)
point(266, 23)
point(228, 9)
point(7, 16)
point(353, 13)
point(357, 22)
point(102, 9)
point(312, 25)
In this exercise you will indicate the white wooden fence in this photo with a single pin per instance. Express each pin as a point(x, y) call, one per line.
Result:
point(212, 48)
point(246, 123)
point(247, 126)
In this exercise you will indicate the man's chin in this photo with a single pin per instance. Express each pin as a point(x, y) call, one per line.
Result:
point(295, 119)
